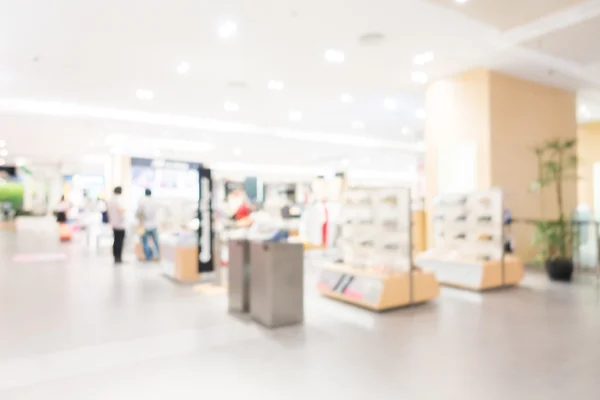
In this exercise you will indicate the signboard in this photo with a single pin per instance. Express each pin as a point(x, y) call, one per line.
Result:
point(205, 218)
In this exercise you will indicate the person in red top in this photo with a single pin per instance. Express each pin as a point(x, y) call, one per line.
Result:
point(242, 212)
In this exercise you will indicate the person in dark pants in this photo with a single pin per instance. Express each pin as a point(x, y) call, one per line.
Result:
point(116, 217)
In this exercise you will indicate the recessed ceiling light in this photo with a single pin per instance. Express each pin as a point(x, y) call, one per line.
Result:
point(405, 131)
point(2, 143)
point(295, 115)
point(461, 1)
point(183, 68)
point(390, 103)
point(231, 106)
point(227, 29)
point(3, 153)
point(419, 77)
point(276, 85)
point(144, 94)
point(237, 151)
point(346, 98)
point(334, 56)
point(2, 162)
point(358, 125)
point(423, 58)
point(420, 114)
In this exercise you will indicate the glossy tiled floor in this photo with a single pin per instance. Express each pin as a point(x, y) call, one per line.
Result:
point(80, 329)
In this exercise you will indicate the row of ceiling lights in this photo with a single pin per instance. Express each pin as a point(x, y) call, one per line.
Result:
point(228, 29)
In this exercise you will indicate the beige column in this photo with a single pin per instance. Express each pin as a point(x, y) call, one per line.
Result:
point(481, 128)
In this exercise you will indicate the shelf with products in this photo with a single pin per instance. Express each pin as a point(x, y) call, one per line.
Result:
point(468, 242)
point(375, 244)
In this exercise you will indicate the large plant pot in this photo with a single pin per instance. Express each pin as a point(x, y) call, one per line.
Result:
point(560, 269)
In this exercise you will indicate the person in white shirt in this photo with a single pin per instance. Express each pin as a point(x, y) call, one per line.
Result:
point(116, 217)
point(147, 214)
point(62, 210)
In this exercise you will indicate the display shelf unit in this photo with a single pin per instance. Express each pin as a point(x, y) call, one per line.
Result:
point(468, 242)
point(375, 245)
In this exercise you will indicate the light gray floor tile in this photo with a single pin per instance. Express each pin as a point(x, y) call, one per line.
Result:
point(83, 329)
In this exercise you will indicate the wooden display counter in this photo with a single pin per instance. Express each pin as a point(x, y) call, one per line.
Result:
point(8, 226)
point(374, 290)
point(419, 233)
point(180, 263)
point(475, 276)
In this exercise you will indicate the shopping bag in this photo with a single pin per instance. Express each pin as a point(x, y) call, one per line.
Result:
point(65, 232)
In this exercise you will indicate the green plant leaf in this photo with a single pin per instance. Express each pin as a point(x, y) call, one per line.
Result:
point(569, 143)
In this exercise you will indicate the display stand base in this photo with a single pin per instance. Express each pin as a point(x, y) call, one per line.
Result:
point(374, 290)
point(180, 264)
point(475, 276)
point(8, 226)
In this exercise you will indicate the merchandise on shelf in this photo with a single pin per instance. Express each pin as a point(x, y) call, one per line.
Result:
point(375, 229)
point(468, 242)
point(470, 226)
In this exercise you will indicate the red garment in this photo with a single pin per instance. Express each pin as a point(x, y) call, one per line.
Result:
point(325, 226)
point(242, 212)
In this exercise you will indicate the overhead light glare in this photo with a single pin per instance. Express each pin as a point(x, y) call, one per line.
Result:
point(335, 56)
point(144, 94)
point(276, 85)
point(390, 103)
point(358, 125)
point(346, 98)
point(423, 58)
point(420, 114)
point(419, 77)
point(73, 110)
point(227, 29)
point(295, 115)
point(121, 143)
point(461, 1)
point(231, 106)
point(183, 68)
point(3, 153)
point(405, 131)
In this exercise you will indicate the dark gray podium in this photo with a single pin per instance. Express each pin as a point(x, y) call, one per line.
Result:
point(277, 283)
point(239, 276)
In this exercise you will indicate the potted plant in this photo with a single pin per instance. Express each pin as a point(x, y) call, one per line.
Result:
point(557, 164)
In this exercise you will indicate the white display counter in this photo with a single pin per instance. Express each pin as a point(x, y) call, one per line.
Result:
point(474, 275)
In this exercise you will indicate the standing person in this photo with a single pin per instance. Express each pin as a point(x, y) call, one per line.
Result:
point(116, 217)
point(147, 214)
point(102, 209)
point(61, 210)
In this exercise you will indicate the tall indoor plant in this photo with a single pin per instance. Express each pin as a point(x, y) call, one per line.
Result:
point(557, 164)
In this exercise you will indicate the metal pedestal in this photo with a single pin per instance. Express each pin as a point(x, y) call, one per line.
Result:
point(277, 289)
point(239, 276)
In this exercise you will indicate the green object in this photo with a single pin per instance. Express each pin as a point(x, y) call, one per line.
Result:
point(557, 164)
point(12, 192)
